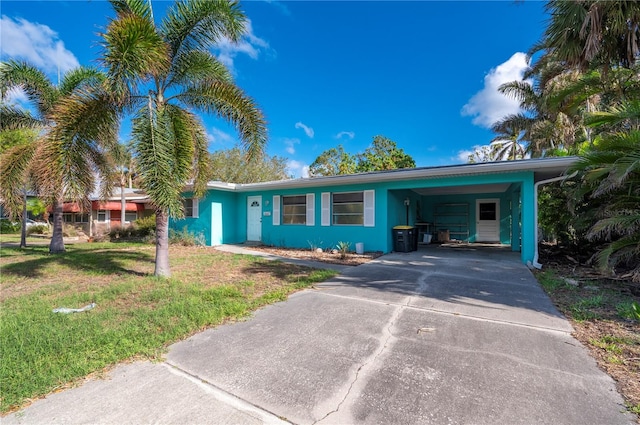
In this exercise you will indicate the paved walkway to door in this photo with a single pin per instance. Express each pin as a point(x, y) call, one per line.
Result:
point(438, 336)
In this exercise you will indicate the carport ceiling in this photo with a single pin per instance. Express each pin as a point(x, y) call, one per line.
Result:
point(463, 190)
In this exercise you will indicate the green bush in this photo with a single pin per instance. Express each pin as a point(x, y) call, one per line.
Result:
point(6, 226)
point(145, 226)
point(185, 238)
point(39, 229)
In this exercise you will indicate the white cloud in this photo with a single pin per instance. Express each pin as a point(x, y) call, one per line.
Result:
point(249, 44)
point(298, 169)
point(218, 136)
point(290, 145)
point(308, 130)
point(19, 97)
point(35, 43)
point(489, 105)
point(463, 156)
point(348, 134)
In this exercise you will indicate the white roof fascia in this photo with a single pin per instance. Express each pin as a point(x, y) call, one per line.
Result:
point(559, 164)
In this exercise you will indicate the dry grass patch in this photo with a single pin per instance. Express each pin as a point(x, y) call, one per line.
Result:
point(136, 314)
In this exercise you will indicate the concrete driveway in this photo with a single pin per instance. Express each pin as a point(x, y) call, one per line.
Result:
point(458, 336)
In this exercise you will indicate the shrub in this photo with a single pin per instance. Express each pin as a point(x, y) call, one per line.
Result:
point(39, 229)
point(69, 230)
point(145, 226)
point(343, 249)
point(6, 226)
point(185, 238)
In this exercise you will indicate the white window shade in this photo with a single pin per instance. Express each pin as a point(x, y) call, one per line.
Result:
point(276, 210)
point(311, 209)
point(369, 208)
point(325, 208)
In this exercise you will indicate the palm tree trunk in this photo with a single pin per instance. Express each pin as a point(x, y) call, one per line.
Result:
point(57, 243)
point(123, 203)
point(162, 243)
point(23, 231)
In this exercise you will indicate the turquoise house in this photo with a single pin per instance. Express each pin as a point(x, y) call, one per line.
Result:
point(489, 202)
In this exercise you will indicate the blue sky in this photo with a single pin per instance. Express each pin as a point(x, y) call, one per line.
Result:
point(423, 73)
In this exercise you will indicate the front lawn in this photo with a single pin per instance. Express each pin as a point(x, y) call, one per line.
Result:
point(136, 314)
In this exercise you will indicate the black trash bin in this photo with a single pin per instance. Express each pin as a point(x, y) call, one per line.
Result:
point(404, 238)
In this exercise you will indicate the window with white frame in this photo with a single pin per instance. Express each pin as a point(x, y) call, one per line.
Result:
point(81, 218)
point(348, 208)
point(67, 217)
point(294, 209)
point(102, 216)
point(190, 207)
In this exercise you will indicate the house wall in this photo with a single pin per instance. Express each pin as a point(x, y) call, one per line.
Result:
point(516, 213)
point(305, 236)
point(202, 224)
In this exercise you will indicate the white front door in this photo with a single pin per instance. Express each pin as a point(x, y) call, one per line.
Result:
point(254, 218)
point(488, 220)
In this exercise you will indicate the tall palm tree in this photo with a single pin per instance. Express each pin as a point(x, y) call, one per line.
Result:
point(164, 74)
point(67, 158)
point(603, 33)
point(507, 143)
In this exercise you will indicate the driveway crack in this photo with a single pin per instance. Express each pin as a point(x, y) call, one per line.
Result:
point(370, 360)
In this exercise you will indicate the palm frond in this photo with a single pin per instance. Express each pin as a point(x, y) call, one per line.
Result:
point(136, 7)
point(35, 84)
point(199, 24)
point(154, 150)
point(196, 65)
point(230, 103)
point(13, 118)
point(14, 169)
point(133, 52)
point(78, 78)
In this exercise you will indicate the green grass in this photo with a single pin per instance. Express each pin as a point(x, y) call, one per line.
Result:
point(136, 314)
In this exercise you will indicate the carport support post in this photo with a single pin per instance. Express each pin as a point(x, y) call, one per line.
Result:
point(527, 197)
point(516, 231)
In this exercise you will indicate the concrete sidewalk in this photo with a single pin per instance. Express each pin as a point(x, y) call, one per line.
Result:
point(430, 337)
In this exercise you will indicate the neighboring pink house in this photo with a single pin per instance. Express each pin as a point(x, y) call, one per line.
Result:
point(107, 215)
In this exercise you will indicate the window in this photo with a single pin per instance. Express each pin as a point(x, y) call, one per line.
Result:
point(294, 209)
point(488, 211)
point(103, 216)
point(348, 208)
point(67, 217)
point(81, 218)
point(130, 217)
point(190, 207)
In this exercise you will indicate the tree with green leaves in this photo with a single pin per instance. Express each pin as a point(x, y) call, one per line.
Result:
point(610, 173)
point(66, 159)
point(595, 33)
point(14, 139)
point(507, 144)
point(383, 154)
point(333, 162)
point(165, 74)
point(232, 165)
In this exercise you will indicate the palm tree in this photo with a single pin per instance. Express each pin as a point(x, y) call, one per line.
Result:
point(611, 172)
point(507, 143)
point(601, 33)
point(165, 74)
point(75, 123)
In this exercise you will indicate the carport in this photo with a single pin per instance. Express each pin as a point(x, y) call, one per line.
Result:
point(491, 203)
